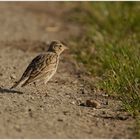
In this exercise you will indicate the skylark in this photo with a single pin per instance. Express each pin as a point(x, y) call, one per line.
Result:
point(43, 66)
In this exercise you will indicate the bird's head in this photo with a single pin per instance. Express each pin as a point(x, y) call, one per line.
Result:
point(57, 47)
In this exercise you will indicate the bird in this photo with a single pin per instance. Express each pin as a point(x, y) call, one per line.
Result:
point(43, 66)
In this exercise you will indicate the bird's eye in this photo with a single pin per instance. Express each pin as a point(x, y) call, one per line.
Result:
point(54, 47)
point(59, 46)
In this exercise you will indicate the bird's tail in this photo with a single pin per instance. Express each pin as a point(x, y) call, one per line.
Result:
point(24, 84)
point(21, 83)
point(15, 85)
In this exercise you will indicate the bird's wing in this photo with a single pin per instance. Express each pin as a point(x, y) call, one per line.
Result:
point(41, 65)
point(29, 69)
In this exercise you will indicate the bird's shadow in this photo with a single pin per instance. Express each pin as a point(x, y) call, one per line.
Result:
point(5, 90)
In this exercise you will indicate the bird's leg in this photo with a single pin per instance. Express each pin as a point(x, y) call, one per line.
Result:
point(56, 98)
point(44, 91)
point(36, 87)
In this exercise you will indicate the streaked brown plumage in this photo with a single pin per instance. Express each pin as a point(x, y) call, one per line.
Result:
point(43, 66)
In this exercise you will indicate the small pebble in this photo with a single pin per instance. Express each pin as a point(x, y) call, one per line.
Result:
point(60, 120)
point(92, 103)
point(30, 112)
point(29, 109)
point(103, 112)
point(75, 82)
point(79, 101)
point(106, 103)
point(17, 128)
point(13, 76)
point(82, 104)
point(31, 97)
point(122, 117)
point(73, 102)
point(83, 91)
point(65, 112)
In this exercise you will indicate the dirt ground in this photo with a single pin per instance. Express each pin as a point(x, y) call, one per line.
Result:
point(54, 110)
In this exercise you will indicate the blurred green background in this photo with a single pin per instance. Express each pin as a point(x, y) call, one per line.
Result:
point(109, 48)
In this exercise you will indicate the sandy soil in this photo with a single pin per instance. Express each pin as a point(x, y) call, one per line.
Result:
point(54, 110)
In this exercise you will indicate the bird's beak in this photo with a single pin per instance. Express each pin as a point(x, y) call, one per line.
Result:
point(65, 47)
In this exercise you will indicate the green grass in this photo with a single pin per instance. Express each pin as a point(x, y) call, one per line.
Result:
point(110, 47)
